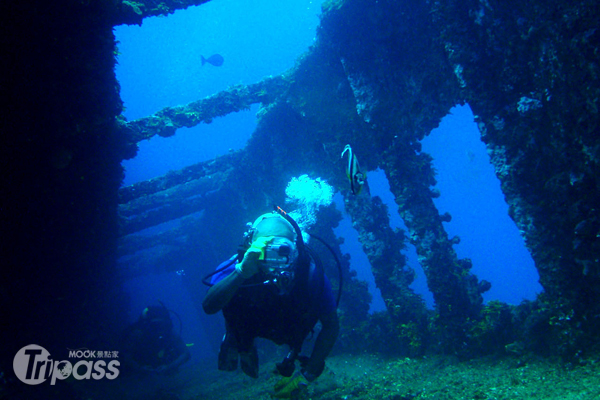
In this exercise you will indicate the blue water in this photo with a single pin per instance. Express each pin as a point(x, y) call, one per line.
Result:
point(471, 194)
point(159, 66)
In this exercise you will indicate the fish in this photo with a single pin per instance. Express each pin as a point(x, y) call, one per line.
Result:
point(355, 176)
point(215, 59)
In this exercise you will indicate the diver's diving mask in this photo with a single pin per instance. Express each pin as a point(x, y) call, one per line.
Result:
point(279, 263)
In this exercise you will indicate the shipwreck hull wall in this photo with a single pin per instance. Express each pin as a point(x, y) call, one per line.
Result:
point(61, 151)
point(530, 74)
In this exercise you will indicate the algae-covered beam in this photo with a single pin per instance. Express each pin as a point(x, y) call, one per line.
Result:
point(236, 98)
point(133, 12)
point(196, 188)
point(200, 170)
point(456, 291)
point(174, 195)
point(168, 211)
point(383, 247)
point(172, 203)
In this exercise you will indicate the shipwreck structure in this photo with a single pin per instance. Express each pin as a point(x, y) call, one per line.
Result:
point(380, 76)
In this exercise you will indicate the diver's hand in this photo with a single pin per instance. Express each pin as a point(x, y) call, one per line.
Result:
point(250, 264)
point(292, 386)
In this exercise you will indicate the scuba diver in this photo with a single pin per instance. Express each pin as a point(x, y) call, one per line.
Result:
point(274, 289)
point(151, 346)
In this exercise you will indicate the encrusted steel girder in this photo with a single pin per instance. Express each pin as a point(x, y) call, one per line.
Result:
point(456, 291)
point(236, 98)
point(174, 195)
point(383, 247)
point(133, 12)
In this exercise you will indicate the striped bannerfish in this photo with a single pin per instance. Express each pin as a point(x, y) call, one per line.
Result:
point(355, 176)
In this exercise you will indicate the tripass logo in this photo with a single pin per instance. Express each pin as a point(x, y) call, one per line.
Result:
point(32, 365)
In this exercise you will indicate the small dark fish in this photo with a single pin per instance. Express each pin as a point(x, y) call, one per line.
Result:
point(355, 176)
point(215, 59)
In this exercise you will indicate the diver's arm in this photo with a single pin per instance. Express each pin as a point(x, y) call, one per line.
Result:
point(324, 343)
point(182, 359)
point(221, 293)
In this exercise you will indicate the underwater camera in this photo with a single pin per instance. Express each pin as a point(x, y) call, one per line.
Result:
point(279, 262)
point(280, 254)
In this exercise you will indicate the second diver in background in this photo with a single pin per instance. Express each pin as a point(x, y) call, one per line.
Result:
point(150, 344)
